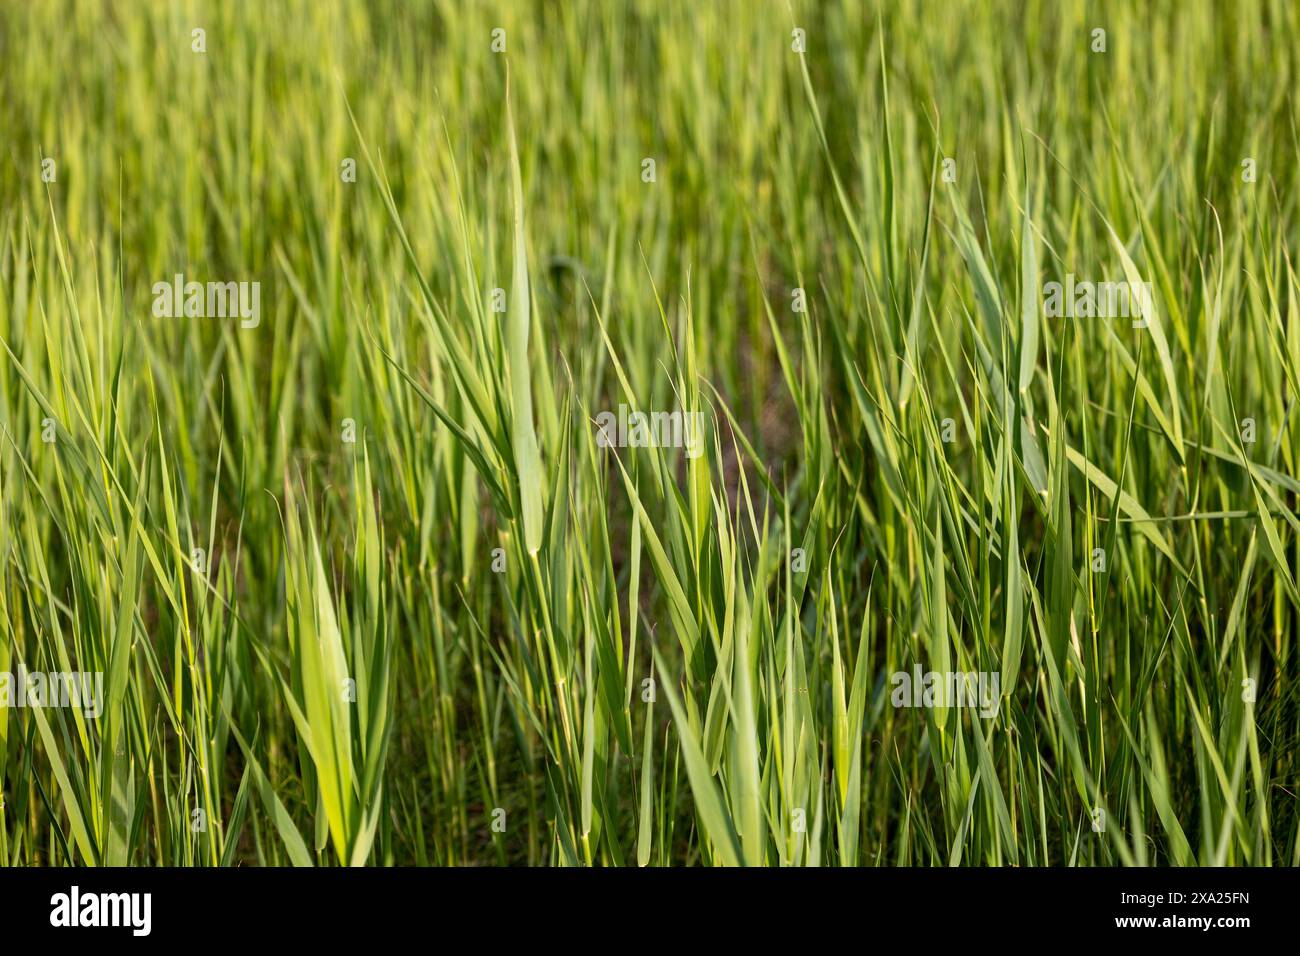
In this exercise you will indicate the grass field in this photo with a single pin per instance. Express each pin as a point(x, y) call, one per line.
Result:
point(364, 579)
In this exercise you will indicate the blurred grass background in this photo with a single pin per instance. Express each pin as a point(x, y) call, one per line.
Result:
point(771, 739)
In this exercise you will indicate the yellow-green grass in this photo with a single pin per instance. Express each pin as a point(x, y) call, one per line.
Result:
point(475, 635)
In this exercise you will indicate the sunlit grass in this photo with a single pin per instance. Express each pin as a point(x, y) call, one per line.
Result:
point(363, 583)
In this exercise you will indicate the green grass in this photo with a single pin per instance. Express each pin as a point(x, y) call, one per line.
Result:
point(682, 660)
